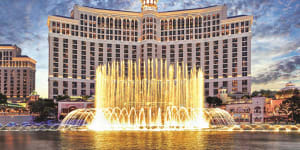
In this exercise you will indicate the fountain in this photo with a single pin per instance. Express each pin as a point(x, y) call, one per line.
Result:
point(150, 95)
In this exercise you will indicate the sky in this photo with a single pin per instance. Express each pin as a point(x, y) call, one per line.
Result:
point(275, 42)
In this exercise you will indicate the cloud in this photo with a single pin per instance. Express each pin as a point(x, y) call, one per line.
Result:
point(274, 22)
point(20, 19)
point(285, 69)
point(113, 4)
point(25, 23)
point(281, 26)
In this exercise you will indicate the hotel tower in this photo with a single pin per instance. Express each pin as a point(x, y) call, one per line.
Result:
point(17, 73)
point(205, 38)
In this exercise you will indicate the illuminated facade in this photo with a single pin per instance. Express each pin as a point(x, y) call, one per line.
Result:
point(17, 73)
point(205, 38)
point(248, 110)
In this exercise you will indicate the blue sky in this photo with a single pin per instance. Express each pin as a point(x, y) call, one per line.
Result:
point(275, 42)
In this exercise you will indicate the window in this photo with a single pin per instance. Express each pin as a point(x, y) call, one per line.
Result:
point(55, 91)
point(55, 83)
point(257, 109)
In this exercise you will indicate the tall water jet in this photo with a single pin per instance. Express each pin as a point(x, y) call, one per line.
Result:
point(151, 95)
point(148, 95)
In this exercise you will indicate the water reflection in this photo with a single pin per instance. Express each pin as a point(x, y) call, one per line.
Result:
point(28, 140)
point(148, 140)
point(180, 140)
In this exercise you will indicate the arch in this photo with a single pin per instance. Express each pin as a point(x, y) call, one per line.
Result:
point(189, 22)
point(71, 108)
point(247, 109)
point(132, 24)
point(257, 109)
point(239, 109)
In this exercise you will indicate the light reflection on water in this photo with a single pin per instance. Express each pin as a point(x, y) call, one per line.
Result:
point(148, 140)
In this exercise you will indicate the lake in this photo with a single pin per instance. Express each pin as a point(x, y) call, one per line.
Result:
point(10, 140)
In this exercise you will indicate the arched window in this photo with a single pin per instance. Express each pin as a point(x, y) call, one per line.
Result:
point(107, 22)
point(187, 22)
point(72, 108)
point(191, 22)
point(124, 23)
point(162, 24)
point(240, 109)
point(132, 25)
point(257, 119)
point(102, 22)
point(179, 23)
point(257, 109)
point(111, 22)
point(116, 23)
point(182, 23)
point(247, 110)
point(170, 25)
point(128, 23)
point(174, 24)
point(135, 24)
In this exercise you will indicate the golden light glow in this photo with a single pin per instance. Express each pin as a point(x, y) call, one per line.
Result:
point(61, 19)
point(238, 19)
point(25, 59)
point(101, 11)
point(8, 47)
point(192, 11)
point(149, 4)
point(161, 99)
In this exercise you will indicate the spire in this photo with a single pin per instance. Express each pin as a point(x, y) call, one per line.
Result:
point(149, 5)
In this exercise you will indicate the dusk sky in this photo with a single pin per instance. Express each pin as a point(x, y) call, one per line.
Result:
point(275, 42)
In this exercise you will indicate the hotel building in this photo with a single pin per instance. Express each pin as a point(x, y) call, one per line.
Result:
point(17, 73)
point(205, 38)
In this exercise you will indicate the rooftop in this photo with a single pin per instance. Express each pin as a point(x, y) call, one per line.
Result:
point(236, 16)
point(192, 8)
point(23, 56)
point(107, 9)
point(63, 16)
point(7, 45)
point(139, 12)
point(74, 100)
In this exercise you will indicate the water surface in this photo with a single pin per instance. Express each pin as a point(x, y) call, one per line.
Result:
point(148, 140)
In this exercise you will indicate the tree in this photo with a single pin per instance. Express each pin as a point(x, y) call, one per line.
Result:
point(213, 101)
point(60, 97)
point(246, 97)
point(296, 92)
point(291, 107)
point(264, 93)
point(3, 102)
point(44, 107)
point(3, 99)
point(86, 97)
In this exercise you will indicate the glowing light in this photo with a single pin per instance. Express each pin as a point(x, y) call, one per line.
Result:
point(162, 98)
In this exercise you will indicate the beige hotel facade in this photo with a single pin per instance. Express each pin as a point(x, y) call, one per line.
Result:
point(205, 38)
point(17, 73)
